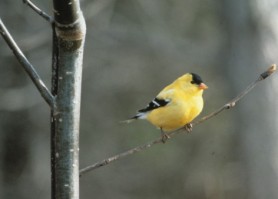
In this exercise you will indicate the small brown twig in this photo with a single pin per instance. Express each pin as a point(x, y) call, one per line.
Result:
point(229, 105)
point(39, 11)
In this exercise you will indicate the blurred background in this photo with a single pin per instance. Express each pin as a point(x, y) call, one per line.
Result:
point(133, 49)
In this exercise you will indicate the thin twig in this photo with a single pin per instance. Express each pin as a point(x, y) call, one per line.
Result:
point(233, 102)
point(39, 11)
point(229, 105)
point(27, 65)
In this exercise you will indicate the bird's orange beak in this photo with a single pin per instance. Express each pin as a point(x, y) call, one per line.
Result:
point(203, 86)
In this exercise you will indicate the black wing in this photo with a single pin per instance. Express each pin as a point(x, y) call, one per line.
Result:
point(154, 104)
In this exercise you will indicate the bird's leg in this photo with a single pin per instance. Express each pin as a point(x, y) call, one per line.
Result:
point(164, 136)
point(188, 127)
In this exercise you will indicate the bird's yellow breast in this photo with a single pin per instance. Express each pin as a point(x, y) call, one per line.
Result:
point(181, 110)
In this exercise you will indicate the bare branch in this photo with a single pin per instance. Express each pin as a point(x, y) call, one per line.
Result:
point(233, 102)
point(48, 97)
point(39, 11)
point(229, 105)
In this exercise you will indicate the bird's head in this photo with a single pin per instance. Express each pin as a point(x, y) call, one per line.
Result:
point(192, 83)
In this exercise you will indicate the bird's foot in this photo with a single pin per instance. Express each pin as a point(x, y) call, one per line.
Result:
point(164, 136)
point(188, 127)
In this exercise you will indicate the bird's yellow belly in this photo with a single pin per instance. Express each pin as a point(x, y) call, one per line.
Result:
point(173, 117)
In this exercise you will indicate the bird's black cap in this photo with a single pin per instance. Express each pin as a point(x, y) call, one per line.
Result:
point(196, 79)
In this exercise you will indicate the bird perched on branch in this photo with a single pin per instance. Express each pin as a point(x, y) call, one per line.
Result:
point(176, 105)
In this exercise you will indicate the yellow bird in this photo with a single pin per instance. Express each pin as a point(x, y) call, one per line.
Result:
point(176, 105)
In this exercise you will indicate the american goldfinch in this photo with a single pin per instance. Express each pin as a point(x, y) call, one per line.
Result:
point(176, 105)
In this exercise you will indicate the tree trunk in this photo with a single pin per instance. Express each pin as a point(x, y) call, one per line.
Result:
point(67, 70)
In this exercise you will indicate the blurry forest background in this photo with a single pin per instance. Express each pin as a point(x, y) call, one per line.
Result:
point(133, 49)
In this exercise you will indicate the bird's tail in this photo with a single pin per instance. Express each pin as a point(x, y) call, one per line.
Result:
point(129, 120)
point(138, 116)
